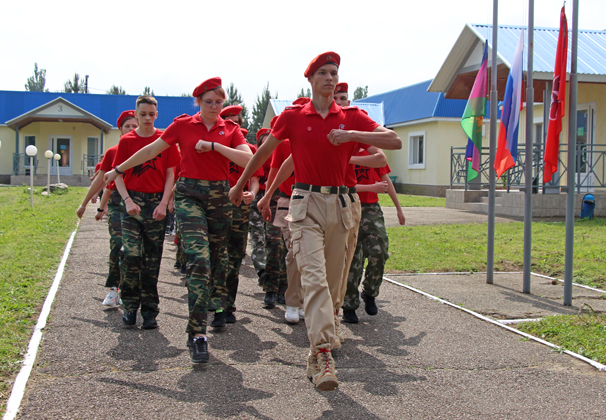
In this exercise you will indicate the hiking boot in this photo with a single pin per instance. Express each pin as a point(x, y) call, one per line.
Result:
point(339, 339)
point(270, 299)
point(291, 315)
point(177, 265)
point(349, 316)
point(369, 304)
point(129, 317)
point(219, 321)
point(325, 376)
point(230, 318)
point(149, 322)
point(112, 297)
point(199, 350)
point(184, 269)
point(281, 299)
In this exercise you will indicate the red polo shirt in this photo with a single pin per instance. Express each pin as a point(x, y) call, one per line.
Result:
point(280, 154)
point(211, 166)
point(235, 171)
point(317, 161)
point(368, 176)
point(107, 164)
point(149, 177)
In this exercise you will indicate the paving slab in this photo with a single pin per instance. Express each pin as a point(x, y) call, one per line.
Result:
point(415, 359)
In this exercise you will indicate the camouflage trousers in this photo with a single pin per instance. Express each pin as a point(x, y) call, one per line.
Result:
point(143, 242)
point(269, 244)
point(203, 219)
point(114, 224)
point(257, 235)
point(180, 253)
point(237, 238)
point(373, 244)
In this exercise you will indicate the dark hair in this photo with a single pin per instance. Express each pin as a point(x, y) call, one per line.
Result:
point(146, 99)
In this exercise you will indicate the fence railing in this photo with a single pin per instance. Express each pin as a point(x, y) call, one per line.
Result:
point(21, 164)
point(88, 164)
point(590, 168)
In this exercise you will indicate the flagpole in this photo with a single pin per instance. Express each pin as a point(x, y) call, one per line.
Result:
point(493, 147)
point(572, 146)
point(529, 154)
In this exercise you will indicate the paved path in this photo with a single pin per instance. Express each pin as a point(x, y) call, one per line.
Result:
point(415, 359)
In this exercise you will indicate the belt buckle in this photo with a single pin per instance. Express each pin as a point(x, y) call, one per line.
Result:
point(325, 190)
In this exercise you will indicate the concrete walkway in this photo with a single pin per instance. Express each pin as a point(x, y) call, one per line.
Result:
point(416, 359)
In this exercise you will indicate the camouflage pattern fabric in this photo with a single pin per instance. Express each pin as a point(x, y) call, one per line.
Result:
point(204, 219)
point(236, 250)
point(180, 253)
point(275, 267)
point(114, 224)
point(373, 244)
point(257, 235)
point(143, 241)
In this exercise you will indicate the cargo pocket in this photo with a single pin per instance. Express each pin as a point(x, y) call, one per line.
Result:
point(298, 250)
point(298, 207)
point(281, 212)
point(347, 216)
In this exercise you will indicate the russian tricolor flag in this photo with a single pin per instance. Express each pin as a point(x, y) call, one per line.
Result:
point(507, 148)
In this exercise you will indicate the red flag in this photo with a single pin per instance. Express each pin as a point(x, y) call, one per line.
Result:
point(558, 99)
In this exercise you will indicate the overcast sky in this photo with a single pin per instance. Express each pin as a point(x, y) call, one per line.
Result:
point(173, 46)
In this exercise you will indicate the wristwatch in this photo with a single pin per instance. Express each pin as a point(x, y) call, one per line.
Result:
point(99, 210)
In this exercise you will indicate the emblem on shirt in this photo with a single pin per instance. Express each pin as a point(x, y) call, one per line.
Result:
point(221, 133)
point(341, 126)
point(139, 170)
point(308, 128)
point(362, 173)
point(233, 168)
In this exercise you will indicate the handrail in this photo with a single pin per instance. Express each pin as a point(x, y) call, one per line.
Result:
point(590, 158)
point(21, 164)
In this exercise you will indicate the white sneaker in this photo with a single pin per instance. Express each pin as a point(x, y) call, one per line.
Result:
point(301, 314)
point(292, 314)
point(112, 297)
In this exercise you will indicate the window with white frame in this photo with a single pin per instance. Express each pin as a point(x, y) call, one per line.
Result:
point(416, 150)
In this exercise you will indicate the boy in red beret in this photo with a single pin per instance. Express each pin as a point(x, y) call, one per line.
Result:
point(323, 137)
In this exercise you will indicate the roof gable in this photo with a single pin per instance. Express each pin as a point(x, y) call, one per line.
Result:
point(415, 103)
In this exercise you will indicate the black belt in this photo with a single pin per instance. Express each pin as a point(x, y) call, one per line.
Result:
point(323, 190)
point(352, 190)
point(284, 195)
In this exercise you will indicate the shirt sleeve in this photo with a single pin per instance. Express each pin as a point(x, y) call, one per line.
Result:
point(171, 134)
point(108, 160)
point(280, 130)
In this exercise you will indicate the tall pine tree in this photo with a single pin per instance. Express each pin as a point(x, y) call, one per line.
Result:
point(37, 82)
point(258, 114)
point(304, 94)
point(360, 92)
point(234, 98)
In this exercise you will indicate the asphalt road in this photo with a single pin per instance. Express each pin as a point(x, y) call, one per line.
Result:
point(416, 359)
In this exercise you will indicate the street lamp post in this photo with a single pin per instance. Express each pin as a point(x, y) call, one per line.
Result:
point(58, 158)
point(31, 151)
point(48, 155)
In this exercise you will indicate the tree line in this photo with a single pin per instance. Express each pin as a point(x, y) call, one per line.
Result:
point(252, 122)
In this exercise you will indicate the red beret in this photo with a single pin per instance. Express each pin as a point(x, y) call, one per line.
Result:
point(262, 132)
point(244, 131)
point(301, 101)
point(205, 86)
point(325, 58)
point(341, 87)
point(273, 121)
point(231, 110)
point(124, 116)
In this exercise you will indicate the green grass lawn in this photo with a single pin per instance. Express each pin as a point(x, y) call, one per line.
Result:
point(584, 334)
point(407, 200)
point(32, 242)
point(446, 248)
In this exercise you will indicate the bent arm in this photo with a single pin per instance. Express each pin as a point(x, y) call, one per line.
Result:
point(241, 155)
point(257, 160)
point(376, 158)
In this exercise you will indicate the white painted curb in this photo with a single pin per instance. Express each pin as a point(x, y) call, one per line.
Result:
point(12, 406)
point(593, 363)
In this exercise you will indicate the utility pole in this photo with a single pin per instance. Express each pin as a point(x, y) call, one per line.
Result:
point(86, 84)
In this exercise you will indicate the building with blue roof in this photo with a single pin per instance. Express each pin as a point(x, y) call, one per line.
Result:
point(80, 127)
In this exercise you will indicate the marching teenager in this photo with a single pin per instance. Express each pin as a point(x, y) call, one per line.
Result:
point(111, 202)
point(145, 190)
point(323, 137)
point(208, 143)
point(372, 241)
